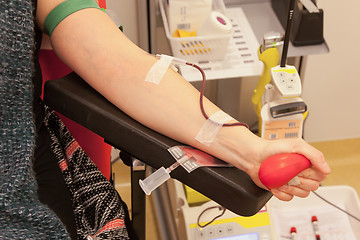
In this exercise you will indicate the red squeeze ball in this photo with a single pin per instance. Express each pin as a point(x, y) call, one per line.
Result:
point(279, 169)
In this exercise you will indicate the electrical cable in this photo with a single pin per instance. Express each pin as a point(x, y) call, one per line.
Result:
point(332, 204)
point(202, 98)
point(216, 217)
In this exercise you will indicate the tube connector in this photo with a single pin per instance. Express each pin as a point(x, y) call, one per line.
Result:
point(153, 181)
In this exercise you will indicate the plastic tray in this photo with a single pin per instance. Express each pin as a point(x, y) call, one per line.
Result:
point(344, 197)
point(195, 49)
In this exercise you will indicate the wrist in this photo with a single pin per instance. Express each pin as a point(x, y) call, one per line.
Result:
point(239, 147)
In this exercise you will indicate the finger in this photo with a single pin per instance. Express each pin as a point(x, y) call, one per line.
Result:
point(304, 183)
point(312, 173)
point(315, 156)
point(295, 191)
point(308, 184)
point(281, 195)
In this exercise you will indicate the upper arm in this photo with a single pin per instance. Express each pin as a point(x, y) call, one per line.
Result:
point(44, 7)
point(91, 44)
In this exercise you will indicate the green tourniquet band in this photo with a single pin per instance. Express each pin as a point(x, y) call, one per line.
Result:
point(65, 9)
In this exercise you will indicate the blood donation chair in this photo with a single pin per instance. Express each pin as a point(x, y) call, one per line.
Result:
point(228, 186)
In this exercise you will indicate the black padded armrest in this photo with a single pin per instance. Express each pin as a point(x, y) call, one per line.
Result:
point(228, 186)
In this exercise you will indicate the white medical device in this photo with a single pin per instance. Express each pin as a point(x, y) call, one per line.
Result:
point(286, 80)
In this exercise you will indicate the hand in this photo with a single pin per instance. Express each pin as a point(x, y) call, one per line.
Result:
point(308, 180)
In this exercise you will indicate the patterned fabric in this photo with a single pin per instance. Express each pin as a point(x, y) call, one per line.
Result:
point(22, 216)
point(98, 210)
point(99, 213)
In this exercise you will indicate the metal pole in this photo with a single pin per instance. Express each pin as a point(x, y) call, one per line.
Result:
point(138, 203)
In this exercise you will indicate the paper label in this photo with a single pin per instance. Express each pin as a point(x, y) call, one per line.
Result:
point(282, 129)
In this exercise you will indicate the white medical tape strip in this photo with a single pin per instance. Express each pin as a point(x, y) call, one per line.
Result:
point(211, 127)
point(158, 70)
point(294, 182)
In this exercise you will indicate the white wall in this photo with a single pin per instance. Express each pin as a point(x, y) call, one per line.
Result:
point(126, 12)
point(332, 81)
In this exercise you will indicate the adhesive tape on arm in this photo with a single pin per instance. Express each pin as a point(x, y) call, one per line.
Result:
point(211, 127)
point(158, 70)
point(216, 24)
